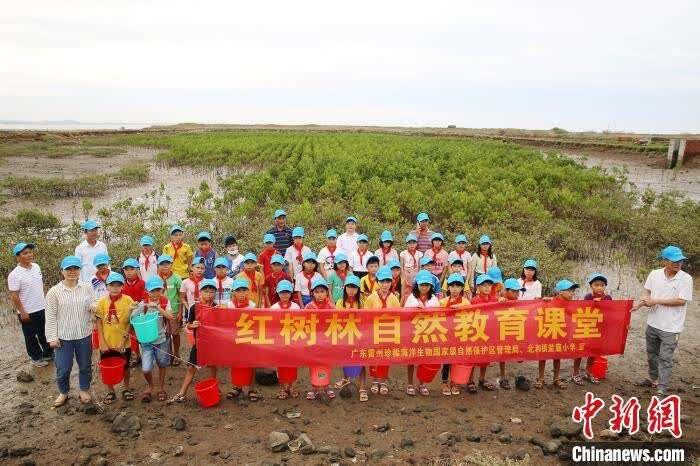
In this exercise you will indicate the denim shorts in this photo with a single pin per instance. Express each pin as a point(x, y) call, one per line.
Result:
point(155, 354)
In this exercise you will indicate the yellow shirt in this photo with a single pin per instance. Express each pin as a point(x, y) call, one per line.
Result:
point(373, 301)
point(467, 289)
point(444, 301)
point(339, 304)
point(254, 291)
point(367, 287)
point(115, 330)
point(182, 261)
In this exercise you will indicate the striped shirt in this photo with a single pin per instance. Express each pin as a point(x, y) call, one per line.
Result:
point(424, 240)
point(69, 311)
point(283, 238)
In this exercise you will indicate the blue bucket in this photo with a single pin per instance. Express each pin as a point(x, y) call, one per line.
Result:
point(146, 327)
point(352, 371)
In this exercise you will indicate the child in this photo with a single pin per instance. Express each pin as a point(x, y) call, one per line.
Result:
point(156, 352)
point(483, 257)
point(190, 288)
point(512, 289)
point(421, 296)
point(437, 253)
point(359, 257)
point(89, 248)
point(134, 286)
point(454, 284)
point(295, 254)
point(283, 291)
point(426, 264)
point(320, 300)
point(148, 259)
point(347, 242)
point(368, 283)
point(206, 289)
point(410, 264)
point(497, 288)
point(565, 292)
point(276, 275)
point(205, 251)
point(336, 279)
point(241, 300)
point(171, 289)
point(234, 258)
point(598, 282)
point(484, 295)
point(350, 299)
point(180, 252)
point(456, 266)
point(528, 281)
point(224, 283)
point(304, 279)
point(462, 254)
point(386, 251)
point(266, 254)
point(326, 256)
point(395, 267)
point(255, 279)
point(102, 270)
point(112, 313)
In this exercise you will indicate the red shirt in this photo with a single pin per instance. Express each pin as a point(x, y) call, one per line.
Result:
point(264, 258)
point(136, 290)
point(479, 299)
point(271, 280)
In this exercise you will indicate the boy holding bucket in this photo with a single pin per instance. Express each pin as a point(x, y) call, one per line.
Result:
point(151, 333)
point(112, 313)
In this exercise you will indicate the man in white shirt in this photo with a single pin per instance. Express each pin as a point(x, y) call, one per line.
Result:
point(26, 286)
point(88, 249)
point(666, 292)
point(347, 242)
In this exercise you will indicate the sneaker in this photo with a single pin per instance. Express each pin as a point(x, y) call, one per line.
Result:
point(40, 363)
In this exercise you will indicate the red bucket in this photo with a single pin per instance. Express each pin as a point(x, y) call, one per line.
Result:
point(112, 370)
point(241, 376)
point(95, 339)
point(459, 373)
point(426, 372)
point(599, 367)
point(208, 393)
point(133, 343)
point(379, 372)
point(287, 375)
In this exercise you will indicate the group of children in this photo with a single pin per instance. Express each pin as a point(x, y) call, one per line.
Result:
point(174, 282)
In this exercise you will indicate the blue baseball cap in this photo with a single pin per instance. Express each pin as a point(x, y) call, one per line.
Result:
point(495, 273)
point(394, 264)
point(89, 224)
point(71, 261)
point(341, 257)
point(563, 285)
point(114, 277)
point(131, 262)
point(101, 259)
point(147, 240)
point(268, 238)
point(461, 239)
point(411, 237)
point(320, 281)
point(19, 247)
point(597, 276)
point(455, 278)
point(673, 254)
point(331, 233)
point(298, 232)
point(277, 259)
point(196, 260)
point(310, 256)
point(352, 280)
point(483, 278)
point(240, 284)
point(454, 260)
point(386, 236)
point(221, 262)
point(513, 284)
point(530, 264)
point(202, 235)
point(351, 219)
point(284, 285)
point(165, 258)
point(425, 260)
point(484, 239)
point(175, 228)
point(363, 237)
point(279, 213)
point(424, 278)
point(437, 236)
point(207, 282)
point(154, 283)
point(423, 217)
point(384, 273)
point(250, 257)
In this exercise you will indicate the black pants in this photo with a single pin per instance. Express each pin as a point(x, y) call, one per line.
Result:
point(35, 336)
point(445, 373)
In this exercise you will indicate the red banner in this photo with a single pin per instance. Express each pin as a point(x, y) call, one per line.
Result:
point(521, 330)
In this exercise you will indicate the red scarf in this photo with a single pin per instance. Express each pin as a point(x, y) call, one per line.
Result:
point(331, 250)
point(351, 301)
point(385, 251)
point(113, 308)
point(196, 281)
point(299, 257)
point(308, 279)
point(485, 258)
point(165, 280)
point(286, 305)
point(251, 278)
point(371, 283)
point(423, 300)
point(102, 276)
point(176, 248)
point(452, 302)
point(383, 300)
point(413, 255)
point(146, 261)
point(361, 255)
point(342, 275)
point(241, 304)
point(326, 304)
point(436, 251)
point(394, 284)
point(220, 288)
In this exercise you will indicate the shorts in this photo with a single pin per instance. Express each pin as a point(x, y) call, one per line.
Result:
point(193, 356)
point(155, 354)
point(126, 355)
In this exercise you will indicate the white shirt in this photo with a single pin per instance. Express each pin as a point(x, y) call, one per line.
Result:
point(326, 260)
point(301, 283)
point(290, 256)
point(29, 283)
point(390, 256)
point(223, 295)
point(410, 265)
point(668, 318)
point(466, 259)
point(87, 253)
point(412, 301)
point(293, 305)
point(533, 290)
point(152, 262)
point(69, 312)
point(348, 242)
point(187, 287)
point(359, 264)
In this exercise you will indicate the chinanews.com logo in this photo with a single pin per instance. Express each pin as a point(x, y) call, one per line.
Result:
point(663, 418)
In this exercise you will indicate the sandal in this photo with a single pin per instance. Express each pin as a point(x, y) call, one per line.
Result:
point(488, 386)
point(455, 390)
point(538, 384)
point(127, 394)
point(146, 397)
point(311, 395)
point(363, 395)
point(446, 390)
point(177, 399)
point(341, 383)
point(383, 389)
point(234, 393)
point(577, 379)
point(254, 396)
point(411, 390)
point(109, 398)
point(592, 379)
point(559, 383)
point(423, 390)
point(283, 394)
point(504, 384)
point(471, 388)
point(162, 396)
point(330, 394)
point(60, 400)
point(374, 388)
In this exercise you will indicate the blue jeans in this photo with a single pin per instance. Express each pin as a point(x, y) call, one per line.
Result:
point(82, 350)
point(155, 354)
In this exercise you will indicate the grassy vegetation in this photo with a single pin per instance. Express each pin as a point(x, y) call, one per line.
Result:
point(50, 145)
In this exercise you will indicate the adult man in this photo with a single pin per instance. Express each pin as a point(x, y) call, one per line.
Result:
point(282, 233)
point(26, 286)
point(666, 292)
point(423, 232)
point(347, 242)
point(89, 248)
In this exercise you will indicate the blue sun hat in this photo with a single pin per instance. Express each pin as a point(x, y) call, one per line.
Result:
point(332, 234)
point(530, 264)
point(341, 257)
point(250, 257)
point(363, 237)
point(221, 262)
point(320, 281)
point(207, 282)
point(240, 284)
point(411, 237)
point(483, 278)
point(268, 238)
point(310, 256)
point(425, 260)
point(384, 273)
point(284, 285)
point(424, 278)
point(131, 262)
point(114, 277)
point(298, 232)
point(394, 264)
point(165, 258)
point(461, 239)
point(277, 259)
point(495, 273)
point(351, 219)
point(203, 235)
point(437, 235)
point(563, 285)
point(101, 259)
point(147, 240)
point(279, 213)
point(154, 283)
point(89, 224)
point(673, 254)
point(352, 280)
point(597, 276)
point(196, 260)
point(485, 239)
point(386, 236)
point(19, 247)
point(71, 261)
point(454, 260)
point(423, 217)
point(455, 278)
point(175, 228)
point(513, 284)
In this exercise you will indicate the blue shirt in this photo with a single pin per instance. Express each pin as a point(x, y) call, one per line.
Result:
point(283, 238)
point(208, 262)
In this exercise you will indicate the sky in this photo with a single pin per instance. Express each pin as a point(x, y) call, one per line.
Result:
point(618, 66)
